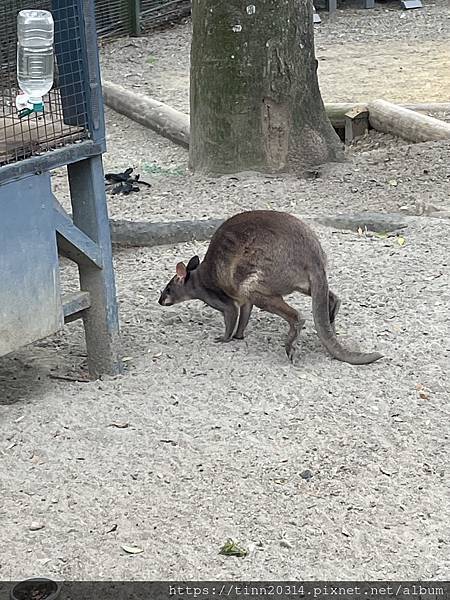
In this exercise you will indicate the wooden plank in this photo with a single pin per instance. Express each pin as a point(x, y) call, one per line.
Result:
point(356, 124)
point(25, 137)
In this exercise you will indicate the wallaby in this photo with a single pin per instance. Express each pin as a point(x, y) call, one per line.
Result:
point(256, 258)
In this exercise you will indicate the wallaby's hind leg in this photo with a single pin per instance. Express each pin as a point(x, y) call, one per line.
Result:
point(334, 304)
point(277, 306)
point(246, 311)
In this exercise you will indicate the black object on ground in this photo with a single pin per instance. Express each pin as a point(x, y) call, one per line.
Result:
point(306, 475)
point(126, 183)
point(36, 589)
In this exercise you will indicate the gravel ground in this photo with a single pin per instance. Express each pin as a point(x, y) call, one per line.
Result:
point(197, 442)
point(218, 436)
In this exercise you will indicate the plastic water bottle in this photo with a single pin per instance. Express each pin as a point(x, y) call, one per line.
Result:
point(35, 32)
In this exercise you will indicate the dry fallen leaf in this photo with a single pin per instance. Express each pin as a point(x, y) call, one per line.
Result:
point(398, 419)
point(401, 240)
point(424, 393)
point(119, 424)
point(36, 459)
point(132, 549)
point(388, 470)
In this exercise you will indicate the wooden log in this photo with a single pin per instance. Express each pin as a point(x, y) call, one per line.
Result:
point(160, 117)
point(431, 107)
point(144, 233)
point(407, 124)
point(336, 111)
point(174, 124)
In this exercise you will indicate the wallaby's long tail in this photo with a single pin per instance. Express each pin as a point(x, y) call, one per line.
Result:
point(319, 295)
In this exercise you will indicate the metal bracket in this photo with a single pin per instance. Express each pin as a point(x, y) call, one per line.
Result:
point(74, 305)
point(72, 242)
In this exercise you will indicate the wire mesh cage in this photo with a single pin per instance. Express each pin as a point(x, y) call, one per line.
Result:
point(65, 118)
point(122, 17)
point(113, 17)
point(157, 12)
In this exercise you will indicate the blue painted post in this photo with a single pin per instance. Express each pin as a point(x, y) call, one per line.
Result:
point(90, 214)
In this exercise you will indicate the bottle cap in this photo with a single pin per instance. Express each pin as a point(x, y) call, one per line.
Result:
point(38, 106)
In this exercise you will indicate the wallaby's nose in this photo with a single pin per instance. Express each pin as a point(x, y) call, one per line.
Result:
point(161, 301)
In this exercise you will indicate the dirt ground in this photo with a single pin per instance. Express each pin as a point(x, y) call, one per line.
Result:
point(199, 442)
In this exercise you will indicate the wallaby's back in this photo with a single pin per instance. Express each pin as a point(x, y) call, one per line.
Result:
point(263, 251)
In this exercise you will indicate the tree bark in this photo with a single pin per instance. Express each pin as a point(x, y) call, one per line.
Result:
point(255, 98)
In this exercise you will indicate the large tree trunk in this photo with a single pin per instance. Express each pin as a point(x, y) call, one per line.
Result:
point(255, 98)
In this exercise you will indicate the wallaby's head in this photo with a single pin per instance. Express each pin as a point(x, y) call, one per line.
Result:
point(181, 287)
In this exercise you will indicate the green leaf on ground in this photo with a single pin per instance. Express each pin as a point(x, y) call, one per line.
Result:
point(231, 548)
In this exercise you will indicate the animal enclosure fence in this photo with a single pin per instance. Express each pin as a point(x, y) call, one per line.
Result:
point(121, 17)
point(113, 17)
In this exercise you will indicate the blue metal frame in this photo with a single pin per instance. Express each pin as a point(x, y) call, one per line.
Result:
point(30, 300)
point(85, 237)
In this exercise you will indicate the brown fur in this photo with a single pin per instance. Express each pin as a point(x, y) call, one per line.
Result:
point(256, 258)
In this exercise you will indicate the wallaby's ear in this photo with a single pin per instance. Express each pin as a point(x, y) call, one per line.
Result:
point(181, 271)
point(193, 263)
